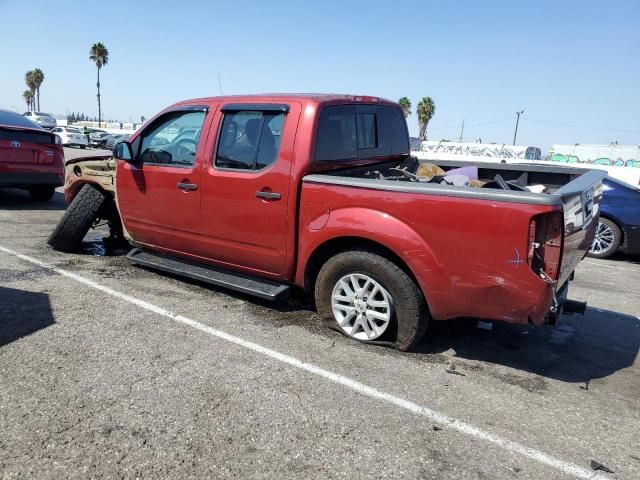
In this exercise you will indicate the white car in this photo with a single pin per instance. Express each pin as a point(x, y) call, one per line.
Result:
point(43, 119)
point(71, 136)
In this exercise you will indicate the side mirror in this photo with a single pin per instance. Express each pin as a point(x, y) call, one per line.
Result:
point(122, 151)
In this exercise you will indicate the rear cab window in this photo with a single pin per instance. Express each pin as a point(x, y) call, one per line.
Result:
point(351, 132)
point(250, 136)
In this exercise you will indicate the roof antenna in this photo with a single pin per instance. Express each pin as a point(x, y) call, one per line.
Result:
point(220, 84)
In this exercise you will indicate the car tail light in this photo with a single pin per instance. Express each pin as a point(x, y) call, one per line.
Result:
point(545, 245)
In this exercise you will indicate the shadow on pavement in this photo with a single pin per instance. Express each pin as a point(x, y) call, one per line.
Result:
point(14, 199)
point(22, 313)
point(579, 349)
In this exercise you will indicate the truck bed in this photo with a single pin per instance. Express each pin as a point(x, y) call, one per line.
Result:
point(575, 192)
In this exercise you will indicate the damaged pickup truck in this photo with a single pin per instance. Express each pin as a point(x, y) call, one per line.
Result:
point(262, 193)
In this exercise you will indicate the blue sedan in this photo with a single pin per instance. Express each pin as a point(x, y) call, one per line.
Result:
point(619, 226)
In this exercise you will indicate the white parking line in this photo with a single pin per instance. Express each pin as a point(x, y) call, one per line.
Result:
point(435, 416)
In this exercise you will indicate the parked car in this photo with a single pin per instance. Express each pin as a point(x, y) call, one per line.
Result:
point(96, 138)
point(31, 157)
point(43, 119)
point(619, 224)
point(71, 136)
point(319, 192)
point(115, 139)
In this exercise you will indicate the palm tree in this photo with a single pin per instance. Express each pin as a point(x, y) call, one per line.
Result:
point(405, 104)
point(28, 98)
point(38, 78)
point(426, 109)
point(30, 80)
point(100, 56)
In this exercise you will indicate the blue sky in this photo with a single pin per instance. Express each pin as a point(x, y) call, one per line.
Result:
point(572, 66)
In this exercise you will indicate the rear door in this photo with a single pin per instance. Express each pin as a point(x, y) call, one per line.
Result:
point(159, 194)
point(246, 186)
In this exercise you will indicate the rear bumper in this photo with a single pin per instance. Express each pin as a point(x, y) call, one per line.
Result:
point(26, 180)
point(631, 244)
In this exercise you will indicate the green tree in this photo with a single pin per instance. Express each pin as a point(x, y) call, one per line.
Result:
point(425, 110)
point(405, 104)
point(28, 98)
point(142, 119)
point(38, 78)
point(30, 80)
point(99, 55)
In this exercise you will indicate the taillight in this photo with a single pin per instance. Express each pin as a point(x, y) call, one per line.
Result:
point(545, 245)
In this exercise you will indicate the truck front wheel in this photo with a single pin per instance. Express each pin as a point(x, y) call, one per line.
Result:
point(371, 299)
point(77, 219)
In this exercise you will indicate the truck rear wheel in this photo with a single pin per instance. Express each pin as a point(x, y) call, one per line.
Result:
point(369, 298)
point(77, 219)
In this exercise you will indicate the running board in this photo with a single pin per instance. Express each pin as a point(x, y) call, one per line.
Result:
point(258, 287)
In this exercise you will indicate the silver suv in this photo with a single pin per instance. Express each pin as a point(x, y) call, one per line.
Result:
point(43, 119)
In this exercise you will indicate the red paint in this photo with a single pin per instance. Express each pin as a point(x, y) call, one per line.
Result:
point(468, 256)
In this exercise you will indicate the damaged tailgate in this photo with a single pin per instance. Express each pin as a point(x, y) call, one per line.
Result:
point(580, 209)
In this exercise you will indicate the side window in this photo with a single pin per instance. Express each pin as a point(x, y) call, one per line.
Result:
point(249, 139)
point(349, 132)
point(336, 136)
point(172, 139)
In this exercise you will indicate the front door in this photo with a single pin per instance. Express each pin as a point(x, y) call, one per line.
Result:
point(159, 192)
point(246, 186)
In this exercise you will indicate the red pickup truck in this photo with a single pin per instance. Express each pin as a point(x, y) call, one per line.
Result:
point(263, 192)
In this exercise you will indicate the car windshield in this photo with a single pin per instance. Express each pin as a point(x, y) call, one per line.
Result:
point(41, 114)
point(16, 120)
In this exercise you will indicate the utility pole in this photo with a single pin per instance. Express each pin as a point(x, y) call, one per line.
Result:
point(220, 84)
point(462, 130)
point(515, 134)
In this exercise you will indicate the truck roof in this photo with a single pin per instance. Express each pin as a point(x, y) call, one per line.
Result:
point(316, 98)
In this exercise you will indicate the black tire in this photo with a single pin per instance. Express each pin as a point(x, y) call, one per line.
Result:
point(42, 194)
point(83, 147)
point(411, 316)
point(614, 234)
point(77, 219)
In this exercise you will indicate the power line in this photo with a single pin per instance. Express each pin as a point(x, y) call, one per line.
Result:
point(473, 124)
point(545, 122)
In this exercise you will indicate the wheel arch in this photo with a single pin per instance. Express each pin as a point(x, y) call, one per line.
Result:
point(336, 245)
point(74, 188)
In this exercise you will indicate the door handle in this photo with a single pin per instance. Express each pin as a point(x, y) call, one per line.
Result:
point(268, 195)
point(187, 187)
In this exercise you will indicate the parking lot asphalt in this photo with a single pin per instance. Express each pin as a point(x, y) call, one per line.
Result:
point(110, 370)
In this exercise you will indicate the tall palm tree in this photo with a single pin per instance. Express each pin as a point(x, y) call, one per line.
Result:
point(38, 78)
point(405, 104)
point(28, 98)
point(426, 109)
point(100, 56)
point(30, 80)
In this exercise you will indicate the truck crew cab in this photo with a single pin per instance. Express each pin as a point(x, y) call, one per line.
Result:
point(263, 192)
